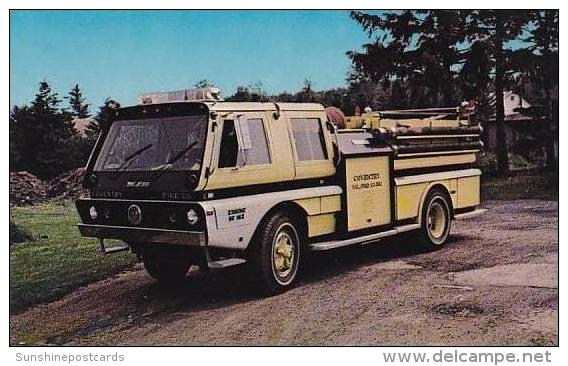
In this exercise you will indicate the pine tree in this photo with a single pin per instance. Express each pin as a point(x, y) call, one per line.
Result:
point(20, 127)
point(419, 48)
point(43, 140)
point(426, 50)
point(79, 108)
point(492, 30)
point(102, 119)
point(544, 71)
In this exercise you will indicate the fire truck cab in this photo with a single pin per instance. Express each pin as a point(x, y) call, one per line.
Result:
point(184, 179)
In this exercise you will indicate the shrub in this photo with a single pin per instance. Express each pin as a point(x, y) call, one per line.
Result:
point(19, 234)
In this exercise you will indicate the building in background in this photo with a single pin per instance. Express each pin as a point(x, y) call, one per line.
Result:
point(527, 128)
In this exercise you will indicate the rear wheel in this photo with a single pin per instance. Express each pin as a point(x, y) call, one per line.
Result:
point(276, 252)
point(166, 265)
point(436, 219)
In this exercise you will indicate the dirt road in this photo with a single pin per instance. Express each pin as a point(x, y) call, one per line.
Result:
point(494, 284)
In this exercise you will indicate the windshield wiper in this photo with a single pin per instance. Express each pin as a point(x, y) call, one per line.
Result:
point(168, 164)
point(129, 158)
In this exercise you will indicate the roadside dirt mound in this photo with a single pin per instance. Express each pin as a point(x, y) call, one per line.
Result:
point(26, 189)
point(67, 185)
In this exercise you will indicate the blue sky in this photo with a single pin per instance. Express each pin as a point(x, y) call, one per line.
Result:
point(122, 53)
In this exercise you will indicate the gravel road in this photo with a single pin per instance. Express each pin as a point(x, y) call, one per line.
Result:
point(495, 283)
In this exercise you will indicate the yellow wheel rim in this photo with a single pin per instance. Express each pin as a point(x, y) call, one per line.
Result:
point(437, 220)
point(283, 254)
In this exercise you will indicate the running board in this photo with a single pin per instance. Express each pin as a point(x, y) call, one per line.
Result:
point(326, 245)
point(223, 263)
point(469, 215)
point(112, 250)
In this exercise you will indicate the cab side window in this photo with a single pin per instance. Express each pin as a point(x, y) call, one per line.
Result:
point(250, 136)
point(229, 145)
point(308, 139)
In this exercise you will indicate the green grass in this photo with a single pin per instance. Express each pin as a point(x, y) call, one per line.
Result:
point(520, 186)
point(58, 260)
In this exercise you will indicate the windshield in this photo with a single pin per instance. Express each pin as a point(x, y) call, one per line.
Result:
point(152, 144)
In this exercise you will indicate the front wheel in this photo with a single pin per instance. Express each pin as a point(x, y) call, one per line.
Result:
point(276, 252)
point(436, 219)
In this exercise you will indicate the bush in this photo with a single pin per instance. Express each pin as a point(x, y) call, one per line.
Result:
point(19, 234)
point(518, 162)
point(488, 163)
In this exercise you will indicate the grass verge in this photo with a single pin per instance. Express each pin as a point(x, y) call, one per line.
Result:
point(59, 259)
point(520, 186)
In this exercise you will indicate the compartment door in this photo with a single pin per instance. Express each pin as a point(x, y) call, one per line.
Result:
point(368, 192)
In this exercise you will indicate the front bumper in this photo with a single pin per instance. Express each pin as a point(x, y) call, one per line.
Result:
point(138, 234)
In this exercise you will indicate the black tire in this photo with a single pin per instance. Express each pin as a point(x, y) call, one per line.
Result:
point(436, 219)
point(165, 265)
point(276, 252)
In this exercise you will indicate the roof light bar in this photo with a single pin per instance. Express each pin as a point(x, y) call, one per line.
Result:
point(197, 95)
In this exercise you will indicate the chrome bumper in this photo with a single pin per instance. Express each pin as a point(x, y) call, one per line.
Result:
point(469, 215)
point(135, 234)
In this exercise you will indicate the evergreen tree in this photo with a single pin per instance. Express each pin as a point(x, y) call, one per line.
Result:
point(102, 119)
point(426, 50)
point(97, 124)
point(419, 48)
point(492, 30)
point(79, 108)
point(43, 137)
point(543, 71)
point(20, 127)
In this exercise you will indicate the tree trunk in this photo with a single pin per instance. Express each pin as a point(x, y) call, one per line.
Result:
point(502, 158)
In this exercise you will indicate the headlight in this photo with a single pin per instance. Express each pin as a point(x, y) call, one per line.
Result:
point(134, 215)
point(93, 213)
point(192, 217)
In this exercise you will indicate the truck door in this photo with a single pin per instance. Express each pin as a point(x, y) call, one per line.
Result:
point(244, 152)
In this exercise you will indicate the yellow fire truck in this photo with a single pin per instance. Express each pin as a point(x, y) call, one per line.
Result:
point(184, 178)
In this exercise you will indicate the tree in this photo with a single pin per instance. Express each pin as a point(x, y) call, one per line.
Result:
point(102, 119)
point(20, 124)
point(257, 92)
point(543, 71)
point(203, 83)
point(43, 140)
point(442, 55)
point(241, 95)
point(419, 48)
point(284, 97)
point(493, 30)
point(307, 94)
point(79, 108)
